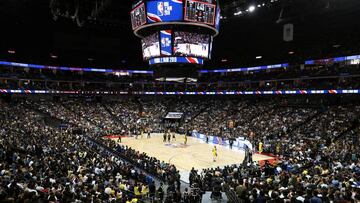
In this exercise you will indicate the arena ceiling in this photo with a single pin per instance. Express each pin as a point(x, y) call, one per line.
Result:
point(103, 37)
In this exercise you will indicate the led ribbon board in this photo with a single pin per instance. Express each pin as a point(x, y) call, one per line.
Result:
point(185, 60)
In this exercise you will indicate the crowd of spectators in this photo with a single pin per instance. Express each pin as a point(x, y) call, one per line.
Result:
point(318, 149)
point(319, 159)
point(43, 163)
point(334, 76)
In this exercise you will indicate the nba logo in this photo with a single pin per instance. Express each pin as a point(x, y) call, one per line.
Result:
point(167, 41)
point(163, 42)
point(160, 8)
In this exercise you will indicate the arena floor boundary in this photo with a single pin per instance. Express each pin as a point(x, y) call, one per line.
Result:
point(196, 153)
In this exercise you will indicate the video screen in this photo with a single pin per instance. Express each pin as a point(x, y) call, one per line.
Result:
point(174, 115)
point(151, 46)
point(191, 44)
point(164, 10)
point(211, 43)
point(217, 20)
point(208, 1)
point(138, 16)
point(201, 12)
point(165, 42)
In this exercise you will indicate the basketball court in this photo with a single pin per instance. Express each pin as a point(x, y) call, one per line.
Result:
point(196, 153)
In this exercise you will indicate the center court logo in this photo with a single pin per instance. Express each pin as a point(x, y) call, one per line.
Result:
point(163, 8)
point(181, 145)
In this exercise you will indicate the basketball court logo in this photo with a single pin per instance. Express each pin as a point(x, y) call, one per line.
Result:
point(181, 145)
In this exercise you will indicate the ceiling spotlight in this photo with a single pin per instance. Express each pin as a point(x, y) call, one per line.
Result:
point(53, 56)
point(291, 52)
point(237, 13)
point(259, 5)
point(223, 60)
point(251, 8)
point(258, 57)
point(11, 51)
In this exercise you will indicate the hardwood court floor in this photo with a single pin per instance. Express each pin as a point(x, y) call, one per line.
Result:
point(195, 154)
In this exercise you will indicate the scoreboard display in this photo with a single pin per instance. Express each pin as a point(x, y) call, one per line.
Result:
point(200, 11)
point(148, 12)
point(166, 42)
point(164, 10)
point(191, 44)
point(151, 46)
point(138, 16)
point(176, 31)
point(217, 19)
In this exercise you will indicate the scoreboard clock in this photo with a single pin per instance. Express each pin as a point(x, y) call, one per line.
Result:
point(201, 12)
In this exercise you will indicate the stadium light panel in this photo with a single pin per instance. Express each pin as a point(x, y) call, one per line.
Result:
point(251, 9)
point(237, 13)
